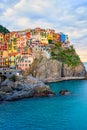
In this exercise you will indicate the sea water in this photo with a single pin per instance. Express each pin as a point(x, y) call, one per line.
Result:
point(49, 113)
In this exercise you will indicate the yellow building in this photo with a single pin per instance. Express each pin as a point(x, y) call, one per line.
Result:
point(1, 38)
point(50, 36)
point(43, 40)
point(11, 61)
point(43, 37)
point(9, 46)
point(12, 46)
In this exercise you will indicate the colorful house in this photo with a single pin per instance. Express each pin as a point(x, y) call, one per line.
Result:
point(56, 37)
point(12, 46)
point(2, 62)
point(18, 47)
point(43, 37)
point(4, 58)
point(1, 38)
point(12, 60)
point(38, 29)
point(6, 61)
point(49, 34)
point(24, 62)
point(62, 37)
point(7, 37)
point(44, 40)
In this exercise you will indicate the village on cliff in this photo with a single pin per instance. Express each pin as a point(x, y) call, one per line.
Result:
point(18, 48)
point(53, 53)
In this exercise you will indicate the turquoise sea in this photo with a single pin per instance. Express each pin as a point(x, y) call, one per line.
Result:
point(50, 113)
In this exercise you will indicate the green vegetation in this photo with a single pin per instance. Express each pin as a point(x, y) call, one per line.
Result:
point(3, 30)
point(66, 56)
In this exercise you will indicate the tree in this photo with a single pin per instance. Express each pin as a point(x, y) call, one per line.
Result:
point(3, 30)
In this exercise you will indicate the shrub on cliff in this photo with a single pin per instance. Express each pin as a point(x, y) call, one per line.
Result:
point(67, 56)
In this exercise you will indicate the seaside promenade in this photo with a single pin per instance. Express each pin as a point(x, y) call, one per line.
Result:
point(63, 79)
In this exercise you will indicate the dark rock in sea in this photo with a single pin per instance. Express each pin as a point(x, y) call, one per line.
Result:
point(64, 92)
point(43, 92)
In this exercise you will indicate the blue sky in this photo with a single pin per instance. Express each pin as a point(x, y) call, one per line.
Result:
point(65, 16)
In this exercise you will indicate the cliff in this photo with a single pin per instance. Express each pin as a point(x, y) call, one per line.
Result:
point(53, 69)
point(63, 63)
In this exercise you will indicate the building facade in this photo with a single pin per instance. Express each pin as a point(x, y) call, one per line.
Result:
point(17, 48)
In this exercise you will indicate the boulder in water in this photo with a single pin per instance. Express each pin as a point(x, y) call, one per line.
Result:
point(64, 92)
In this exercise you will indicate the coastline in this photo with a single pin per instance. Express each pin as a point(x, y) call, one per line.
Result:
point(50, 80)
point(29, 87)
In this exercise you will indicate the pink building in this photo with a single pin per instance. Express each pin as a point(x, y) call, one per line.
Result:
point(24, 62)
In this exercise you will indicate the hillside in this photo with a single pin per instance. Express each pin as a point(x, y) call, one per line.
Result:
point(40, 52)
point(3, 30)
point(62, 63)
point(66, 56)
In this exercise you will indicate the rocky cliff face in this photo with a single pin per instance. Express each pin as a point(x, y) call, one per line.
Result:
point(53, 69)
point(46, 69)
point(76, 71)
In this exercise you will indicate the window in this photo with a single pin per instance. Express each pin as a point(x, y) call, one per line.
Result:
point(15, 47)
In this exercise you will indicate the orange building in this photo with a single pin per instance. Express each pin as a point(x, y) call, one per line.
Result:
point(56, 37)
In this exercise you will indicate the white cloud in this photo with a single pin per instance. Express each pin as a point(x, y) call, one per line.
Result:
point(81, 10)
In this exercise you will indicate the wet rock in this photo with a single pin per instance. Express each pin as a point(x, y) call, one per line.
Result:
point(19, 95)
point(2, 96)
point(64, 92)
point(44, 94)
point(25, 88)
point(6, 89)
point(8, 83)
point(41, 91)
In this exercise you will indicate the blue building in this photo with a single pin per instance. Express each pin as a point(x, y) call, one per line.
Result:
point(62, 37)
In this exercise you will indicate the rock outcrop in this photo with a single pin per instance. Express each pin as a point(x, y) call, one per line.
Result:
point(53, 69)
point(46, 69)
point(64, 92)
point(24, 88)
point(76, 71)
